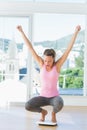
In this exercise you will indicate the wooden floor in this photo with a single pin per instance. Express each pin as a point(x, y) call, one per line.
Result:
point(17, 118)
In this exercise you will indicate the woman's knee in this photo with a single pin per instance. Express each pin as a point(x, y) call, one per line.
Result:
point(61, 101)
point(27, 106)
point(58, 104)
point(61, 104)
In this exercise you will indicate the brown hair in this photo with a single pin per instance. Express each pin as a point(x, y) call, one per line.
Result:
point(50, 52)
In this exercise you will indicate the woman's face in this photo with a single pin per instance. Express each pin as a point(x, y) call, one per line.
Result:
point(48, 61)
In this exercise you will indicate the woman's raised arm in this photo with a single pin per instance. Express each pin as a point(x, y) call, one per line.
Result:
point(30, 47)
point(62, 59)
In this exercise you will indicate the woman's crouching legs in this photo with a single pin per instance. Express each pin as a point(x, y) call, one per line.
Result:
point(57, 103)
point(34, 105)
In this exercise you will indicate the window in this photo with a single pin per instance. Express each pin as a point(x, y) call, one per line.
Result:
point(54, 31)
point(13, 60)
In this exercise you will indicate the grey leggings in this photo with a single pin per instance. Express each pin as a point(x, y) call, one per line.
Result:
point(35, 103)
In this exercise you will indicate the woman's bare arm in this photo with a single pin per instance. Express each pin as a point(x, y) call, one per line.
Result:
point(30, 47)
point(62, 59)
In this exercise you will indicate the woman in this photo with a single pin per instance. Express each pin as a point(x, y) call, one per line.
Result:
point(49, 73)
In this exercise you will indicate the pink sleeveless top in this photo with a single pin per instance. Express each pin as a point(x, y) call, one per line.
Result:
point(49, 81)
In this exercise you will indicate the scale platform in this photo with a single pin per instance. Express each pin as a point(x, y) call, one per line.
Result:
point(46, 123)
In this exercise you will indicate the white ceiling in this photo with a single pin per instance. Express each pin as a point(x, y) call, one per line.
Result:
point(27, 8)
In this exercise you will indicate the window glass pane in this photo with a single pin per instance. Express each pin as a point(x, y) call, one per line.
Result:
point(55, 31)
point(13, 60)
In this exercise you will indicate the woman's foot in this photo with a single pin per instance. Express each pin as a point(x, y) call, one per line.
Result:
point(54, 117)
point(44, 113)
